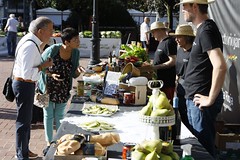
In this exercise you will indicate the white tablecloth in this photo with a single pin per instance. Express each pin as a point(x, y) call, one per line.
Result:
point(127, 125)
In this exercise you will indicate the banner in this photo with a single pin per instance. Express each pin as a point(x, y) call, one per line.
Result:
point(226, 15)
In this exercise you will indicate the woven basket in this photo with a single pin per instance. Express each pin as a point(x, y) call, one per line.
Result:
point(132, 69)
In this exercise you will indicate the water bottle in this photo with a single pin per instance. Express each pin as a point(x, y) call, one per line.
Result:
point(177, 126)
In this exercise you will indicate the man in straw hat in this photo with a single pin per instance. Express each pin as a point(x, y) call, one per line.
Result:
point(164, 58)
point(184, 37)
point(205, 73)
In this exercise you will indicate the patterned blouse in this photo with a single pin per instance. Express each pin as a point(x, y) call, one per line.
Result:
point(59, 91)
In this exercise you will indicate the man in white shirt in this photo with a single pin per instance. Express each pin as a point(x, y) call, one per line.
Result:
point(11, 29)
point(26, 72)
point(144, 36)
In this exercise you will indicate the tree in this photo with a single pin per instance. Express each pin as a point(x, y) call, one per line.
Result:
point(163, 7)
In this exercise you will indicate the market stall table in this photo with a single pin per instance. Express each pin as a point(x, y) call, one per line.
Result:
point(115, 151)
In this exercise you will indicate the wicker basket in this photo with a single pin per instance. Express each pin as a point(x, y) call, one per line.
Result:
point(131, 68)
point(163, 121)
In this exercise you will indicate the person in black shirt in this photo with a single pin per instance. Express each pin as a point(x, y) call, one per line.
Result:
point(164, 58)
point(184, 37)
point(205, 73)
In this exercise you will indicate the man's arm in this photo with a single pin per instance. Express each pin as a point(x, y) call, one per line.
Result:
point(218, 77)
point(219, 71)
point(170, 63)
point(6, 27)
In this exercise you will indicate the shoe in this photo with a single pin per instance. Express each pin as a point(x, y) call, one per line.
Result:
point(32, 155)
point(45, 150)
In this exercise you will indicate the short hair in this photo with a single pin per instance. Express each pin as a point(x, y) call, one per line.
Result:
point(12, 15)
point(146, 19)
point(68, 33)
point(39, 23)
point(203, 8)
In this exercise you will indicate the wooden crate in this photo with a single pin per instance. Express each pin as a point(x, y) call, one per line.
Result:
point(77, 157)
point(227, 136)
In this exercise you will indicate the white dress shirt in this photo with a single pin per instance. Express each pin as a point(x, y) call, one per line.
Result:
point(143, 29)
point(12, 25)
point(28, 58)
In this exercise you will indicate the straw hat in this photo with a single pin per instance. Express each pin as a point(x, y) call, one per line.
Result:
point(157, 25)
point(183, 30)
point(196, 1)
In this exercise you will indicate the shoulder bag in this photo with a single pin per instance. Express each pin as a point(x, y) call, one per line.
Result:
point(7, 89)
point(41, 100)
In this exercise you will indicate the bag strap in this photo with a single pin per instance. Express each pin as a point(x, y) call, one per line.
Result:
point(17, 54)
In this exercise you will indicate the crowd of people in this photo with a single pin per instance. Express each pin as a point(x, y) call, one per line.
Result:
point(190, 64)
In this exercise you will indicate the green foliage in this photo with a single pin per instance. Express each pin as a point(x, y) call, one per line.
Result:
point(47, 3)
point(134, 51)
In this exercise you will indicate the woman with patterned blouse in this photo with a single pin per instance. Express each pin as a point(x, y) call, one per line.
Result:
point(58, 78)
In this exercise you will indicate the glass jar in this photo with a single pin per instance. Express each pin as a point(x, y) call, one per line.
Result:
point(80, 88)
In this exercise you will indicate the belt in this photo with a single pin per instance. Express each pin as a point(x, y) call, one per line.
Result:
point(23, 80)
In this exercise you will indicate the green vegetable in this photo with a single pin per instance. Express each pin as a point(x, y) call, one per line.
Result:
point(134, 51)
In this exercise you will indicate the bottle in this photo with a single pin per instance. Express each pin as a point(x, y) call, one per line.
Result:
point(186, 152)
point(114, 57)
point(110, 58)
point(177, 126)
point(80, 88)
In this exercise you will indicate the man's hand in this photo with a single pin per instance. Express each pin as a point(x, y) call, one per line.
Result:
point(202, 101)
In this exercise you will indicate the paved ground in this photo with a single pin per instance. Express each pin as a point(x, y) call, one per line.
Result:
point(8, 115)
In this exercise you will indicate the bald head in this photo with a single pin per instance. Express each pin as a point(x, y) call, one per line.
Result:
point(147, 19)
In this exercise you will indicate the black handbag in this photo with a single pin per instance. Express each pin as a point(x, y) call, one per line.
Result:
point(8, 90)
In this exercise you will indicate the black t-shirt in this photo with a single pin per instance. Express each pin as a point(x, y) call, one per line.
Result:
point(181, 62)
point(198, 76)
point(166, 47)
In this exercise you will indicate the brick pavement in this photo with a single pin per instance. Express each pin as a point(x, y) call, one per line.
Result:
point(8, 115)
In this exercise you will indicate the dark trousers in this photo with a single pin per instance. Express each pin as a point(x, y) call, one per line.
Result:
point(24, 93)
point(203, 122)
point(11, 42)
point(182, 107)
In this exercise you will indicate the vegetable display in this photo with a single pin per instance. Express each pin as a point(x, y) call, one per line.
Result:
point(134, 53)
point(103, 34)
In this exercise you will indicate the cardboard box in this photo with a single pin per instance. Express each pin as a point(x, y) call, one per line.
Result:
point(140, 93)
point(227, 136)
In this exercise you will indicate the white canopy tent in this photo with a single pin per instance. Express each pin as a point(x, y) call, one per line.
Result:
point(55, 15)
point(138, 17)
